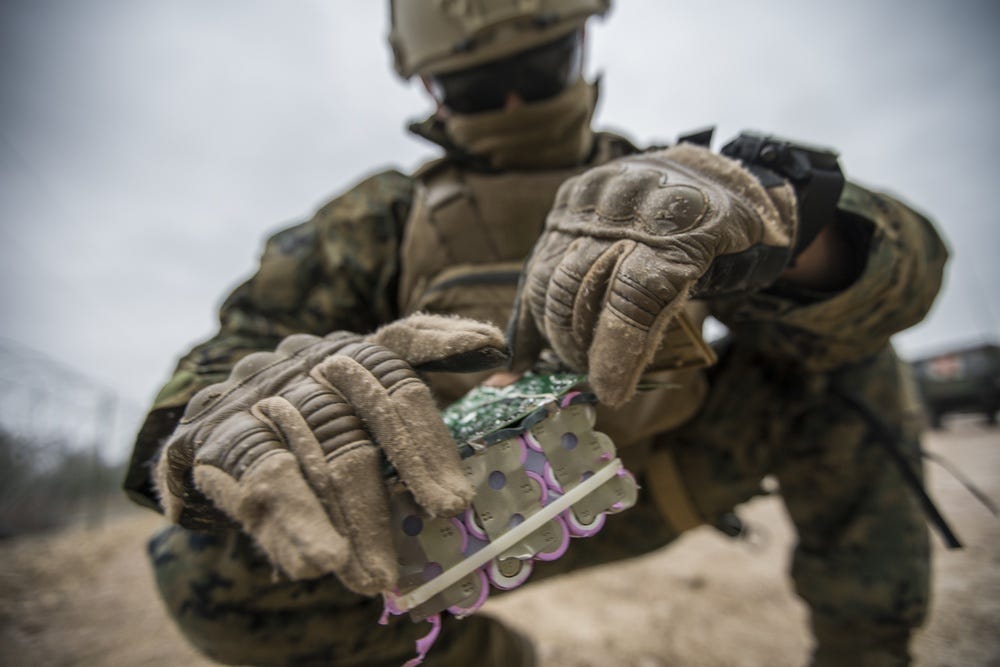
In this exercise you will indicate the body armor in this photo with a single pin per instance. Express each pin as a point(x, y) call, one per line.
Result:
point(465, 241)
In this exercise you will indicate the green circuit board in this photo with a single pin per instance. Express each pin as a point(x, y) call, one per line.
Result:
point(485, 410)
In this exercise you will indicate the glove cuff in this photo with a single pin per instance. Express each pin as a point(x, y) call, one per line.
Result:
point(767, 250)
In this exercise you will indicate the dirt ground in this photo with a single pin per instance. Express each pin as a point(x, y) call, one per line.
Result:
point(85, 597)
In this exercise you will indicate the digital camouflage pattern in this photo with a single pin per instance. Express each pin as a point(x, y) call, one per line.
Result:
point(862, 559)
point(338, 271)
point(903, 266)
point(774, 406)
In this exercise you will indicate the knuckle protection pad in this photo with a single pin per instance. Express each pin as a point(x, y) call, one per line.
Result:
point(296, 343)
point(331, 419)
point(236, 444)
point(205, 399)
point(252, 364)
point(645, 199)
point(384, 364)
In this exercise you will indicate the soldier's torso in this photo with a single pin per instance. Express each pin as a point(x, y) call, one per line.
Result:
point(468, 235)
point(465, 241)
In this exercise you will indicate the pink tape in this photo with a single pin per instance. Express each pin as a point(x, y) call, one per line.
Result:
point(425, 643)
point(568, 398)
point(389, 608)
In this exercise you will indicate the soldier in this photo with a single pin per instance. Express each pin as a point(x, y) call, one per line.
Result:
point(270, 461)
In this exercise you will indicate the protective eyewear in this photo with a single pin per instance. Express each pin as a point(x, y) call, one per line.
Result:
point(533, 75)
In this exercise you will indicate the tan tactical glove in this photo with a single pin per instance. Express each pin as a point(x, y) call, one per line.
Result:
point(626, 245)
point(290, 446)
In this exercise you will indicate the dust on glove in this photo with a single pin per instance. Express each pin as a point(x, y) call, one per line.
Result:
point(291, 445)
point(628, 243)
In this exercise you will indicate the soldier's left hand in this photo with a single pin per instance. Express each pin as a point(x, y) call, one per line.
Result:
point(628, 243)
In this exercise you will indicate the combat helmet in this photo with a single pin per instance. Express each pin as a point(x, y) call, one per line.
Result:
point(433, 37)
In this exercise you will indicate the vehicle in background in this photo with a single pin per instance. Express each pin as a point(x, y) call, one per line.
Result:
point(965, 380)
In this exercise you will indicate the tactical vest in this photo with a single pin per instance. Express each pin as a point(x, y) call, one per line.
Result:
point(466, 239)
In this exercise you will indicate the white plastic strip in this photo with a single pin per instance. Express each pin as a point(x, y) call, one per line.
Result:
point(455, 573)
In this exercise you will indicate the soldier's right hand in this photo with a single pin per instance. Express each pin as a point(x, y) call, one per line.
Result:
point(290, 446)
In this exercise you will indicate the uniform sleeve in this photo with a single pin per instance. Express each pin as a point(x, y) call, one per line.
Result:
point(337, 271)
point(901, 263)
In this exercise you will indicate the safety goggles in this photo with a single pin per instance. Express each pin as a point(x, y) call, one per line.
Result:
point(532, 75)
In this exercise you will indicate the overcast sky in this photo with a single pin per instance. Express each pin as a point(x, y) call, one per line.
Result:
point(147, 147)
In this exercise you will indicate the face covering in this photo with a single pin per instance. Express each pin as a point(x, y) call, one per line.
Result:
point(549, 134)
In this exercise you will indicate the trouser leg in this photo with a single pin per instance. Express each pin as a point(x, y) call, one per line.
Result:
point(230, 604)
point(863, 559)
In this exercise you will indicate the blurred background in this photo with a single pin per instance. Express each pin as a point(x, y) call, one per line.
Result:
point(147, 148)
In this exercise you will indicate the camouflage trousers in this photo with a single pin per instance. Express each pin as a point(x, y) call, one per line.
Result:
point(861, 562)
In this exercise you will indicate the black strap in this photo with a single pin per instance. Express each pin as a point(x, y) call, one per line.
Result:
point(887, 437)
point(702, 137)
point(967, 483)
point(814, 172)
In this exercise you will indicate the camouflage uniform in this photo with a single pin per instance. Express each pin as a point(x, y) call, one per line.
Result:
point(779, 402)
